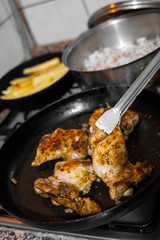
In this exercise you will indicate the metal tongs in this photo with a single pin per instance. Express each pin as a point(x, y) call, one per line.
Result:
point(112, 117)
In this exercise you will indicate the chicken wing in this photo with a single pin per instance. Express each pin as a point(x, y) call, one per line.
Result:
point(67, 144)
point(71, 179)
point(110, 160)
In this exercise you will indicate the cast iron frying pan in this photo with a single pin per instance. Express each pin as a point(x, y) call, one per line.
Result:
point(19, 151)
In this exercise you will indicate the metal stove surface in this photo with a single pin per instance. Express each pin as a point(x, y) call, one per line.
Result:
point(141, 223)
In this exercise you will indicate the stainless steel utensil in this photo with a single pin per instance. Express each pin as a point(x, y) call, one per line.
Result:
point(111, 118)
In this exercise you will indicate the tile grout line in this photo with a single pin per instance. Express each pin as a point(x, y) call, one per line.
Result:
point(85, 8)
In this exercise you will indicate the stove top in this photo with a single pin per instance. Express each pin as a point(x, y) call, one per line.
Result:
point(141, 223)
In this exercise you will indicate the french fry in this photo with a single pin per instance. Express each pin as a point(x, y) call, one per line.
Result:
point(18, 80)
point(18, 92)
point(37, 81)
point(53, 73)
point(7, 91)
point(40, 67)
point(50, 79)
point(25, 83)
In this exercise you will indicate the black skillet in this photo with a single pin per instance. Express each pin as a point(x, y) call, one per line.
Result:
point(38, 99)
point(19, 150)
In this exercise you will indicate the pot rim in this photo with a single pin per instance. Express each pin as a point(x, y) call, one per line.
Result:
point(98, 28)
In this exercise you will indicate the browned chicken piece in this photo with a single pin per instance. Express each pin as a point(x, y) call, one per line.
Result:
point(67, 144)
point(71, 179)
point(131, 174)
point(128, 122)
point(111, 164)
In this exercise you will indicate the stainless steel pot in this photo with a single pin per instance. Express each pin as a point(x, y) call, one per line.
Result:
point(120, 8)
point(114, 32)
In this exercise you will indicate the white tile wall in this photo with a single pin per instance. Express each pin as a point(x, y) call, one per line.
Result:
point(55, 21)
point(11, 52)
point(26, 3)
point(4, 11)
point(50, 21)
point(58, 20)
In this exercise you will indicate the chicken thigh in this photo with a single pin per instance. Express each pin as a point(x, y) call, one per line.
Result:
point(71, 180)
point(110, 160)
point(128, 121)
point(66, 144)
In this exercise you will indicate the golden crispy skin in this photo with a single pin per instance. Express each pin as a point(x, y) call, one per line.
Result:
point(70, 179)
point(111, 153)
point(67, 144)
point(110, 159)
point(131, 174)
point(128, 122)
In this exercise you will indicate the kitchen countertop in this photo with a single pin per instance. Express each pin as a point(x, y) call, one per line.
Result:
point(54, 47)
